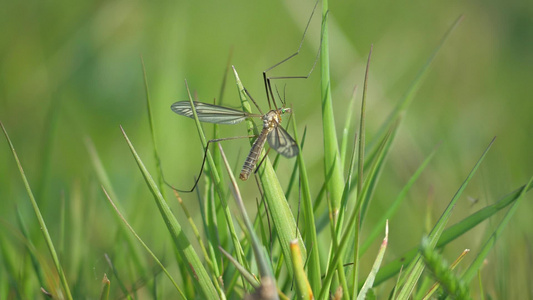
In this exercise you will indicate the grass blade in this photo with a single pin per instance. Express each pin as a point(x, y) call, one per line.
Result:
point(152, 132)
point(478, 262)
point(302, 284)
point(119, 214)
point(181, 242)
point(416, 269)
point(40, 219)
point(280, 211)
point(333, 169)
point(395, 204)
point(452, 233)
point(377, 263)
point(409, 95)
point(311, 238)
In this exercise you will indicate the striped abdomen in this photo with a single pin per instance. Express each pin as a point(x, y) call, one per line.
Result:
point(254, 154)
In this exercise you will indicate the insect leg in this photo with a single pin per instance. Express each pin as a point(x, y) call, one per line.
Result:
point(204, 159)
point(266, 79)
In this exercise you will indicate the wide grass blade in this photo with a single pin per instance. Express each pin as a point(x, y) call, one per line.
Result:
point(184, 247)
point(40, 219)
point(279, 209)
point(333, 170)
point(417, 266)
point(300, 278)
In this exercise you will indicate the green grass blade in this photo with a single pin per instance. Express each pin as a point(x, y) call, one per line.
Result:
point(30, 248)
point(125, 222)
point(409, 95)
point(103, 178)
point(250, 278)
point(313, 266)
point(279, 209)
point(395, 204)
point(181, 242)
point(360, 164)
point(377, 263)
point(333, 169)
point(219, 187)
point(261, 259)
point(418, 266)
point(374, 173)
point(40, 219)
point(452, 233)
point(346, 131)
point(478, 261)
point(303, 289)
point(152, 132)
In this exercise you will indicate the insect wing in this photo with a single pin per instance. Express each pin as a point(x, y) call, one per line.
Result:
point(281, 141)
point(209, 113)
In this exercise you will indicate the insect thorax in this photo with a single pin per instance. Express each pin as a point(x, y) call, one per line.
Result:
point(272, 118)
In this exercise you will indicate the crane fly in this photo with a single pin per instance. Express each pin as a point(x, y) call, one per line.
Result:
point(278, 139)
point(271, 132)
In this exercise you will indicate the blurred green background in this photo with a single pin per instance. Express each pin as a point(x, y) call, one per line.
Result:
point(72, 71)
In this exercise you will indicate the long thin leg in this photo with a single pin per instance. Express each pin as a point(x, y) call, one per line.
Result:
point(268, 88)
point(255, 103)
point(204, 159)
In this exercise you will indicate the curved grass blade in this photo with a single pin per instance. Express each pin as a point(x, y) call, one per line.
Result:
point(260, 257)
point(478, 261)
point(184, 247)
point(416, 267)
point(452, 233)
point(125, 222)
point(40, 219)
point(218, 183)
point(103, 178)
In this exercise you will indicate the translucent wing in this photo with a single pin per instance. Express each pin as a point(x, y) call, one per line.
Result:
point(281, 141)
point(210, 113)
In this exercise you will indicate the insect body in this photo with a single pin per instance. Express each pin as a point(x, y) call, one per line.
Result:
point(277, 137)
